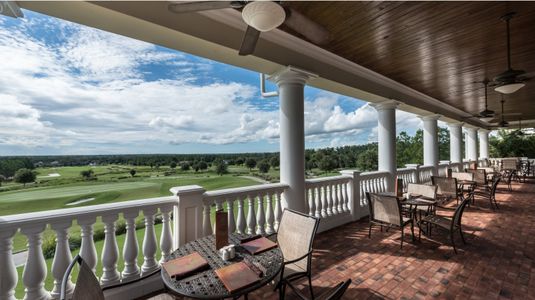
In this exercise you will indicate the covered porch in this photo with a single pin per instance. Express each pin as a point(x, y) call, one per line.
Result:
point(378, 268)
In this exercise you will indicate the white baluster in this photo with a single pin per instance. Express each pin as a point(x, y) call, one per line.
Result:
point(130, 248)
point(8, 272)
point(328, 200)
point(251, 220)
point(206, 221)
point(218, 207)
point(149, 243)
point(87, 250)
point(260, 216)
point(34, 273)
point(269, 214)
point(166, 238)
point(317, 198)
point(336, 203)
point(311, 202)
point(62, 258)
point(230, 210)
point(346, 196)
point(241, 216)
point(110, 253)
point(278, 210)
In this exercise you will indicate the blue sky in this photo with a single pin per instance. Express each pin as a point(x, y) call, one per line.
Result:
point(69, 89)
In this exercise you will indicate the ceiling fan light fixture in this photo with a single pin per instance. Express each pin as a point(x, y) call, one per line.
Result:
point(263, 15)
point(509, 88)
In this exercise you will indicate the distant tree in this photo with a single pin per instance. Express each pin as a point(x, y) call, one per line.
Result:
point(221, 168)
point(250, 163)
point(133, 172)
point(264, 166)
point(87, 174)
point(24, 176)
point(2, 179)
point(239, 161)
point(203, 165)
point(327, 163)
point(368, 160)
point(172, 165)
point(184, 167)
point(274, 161)
point(196, 167)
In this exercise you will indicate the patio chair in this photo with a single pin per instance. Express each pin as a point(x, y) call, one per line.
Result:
point(295, 236)
point(452, 224)
point(480, 177)
point(490, 194)
point(87, 286)
point(447, 189)
point(507, 176)
point(386, 211)
point(334, 293)
point(422, 190)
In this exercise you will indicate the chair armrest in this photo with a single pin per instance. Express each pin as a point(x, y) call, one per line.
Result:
point(298, 259)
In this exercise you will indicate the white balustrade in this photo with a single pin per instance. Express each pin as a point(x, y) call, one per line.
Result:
point(327, 196)
point(443, 169)
point(425, 173)
point(149, 243)
point(373, 182)
point(32, 225)
point(263, 208)
point(407, 175)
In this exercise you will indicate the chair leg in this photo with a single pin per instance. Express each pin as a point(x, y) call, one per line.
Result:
point(412, 231)
point(419, 231)
point(453, 242)
point(370, 231)
point(402, 235)
point(310, 287)
point(282, 291)
point(461, 234)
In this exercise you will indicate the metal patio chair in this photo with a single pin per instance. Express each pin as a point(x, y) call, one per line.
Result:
point(334, 293)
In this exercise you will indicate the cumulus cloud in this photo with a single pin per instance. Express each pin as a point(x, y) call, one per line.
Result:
point(79, 87)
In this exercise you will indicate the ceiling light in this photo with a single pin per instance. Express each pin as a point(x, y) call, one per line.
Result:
point(263, 15)
point(509, 88)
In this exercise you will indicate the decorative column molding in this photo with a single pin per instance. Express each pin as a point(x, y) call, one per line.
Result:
point(483, 143)
point(431, 141)
point(357, 210)
point(471, 143)
point(456, 142)
point(187, 214)
point(386, 117)
point(291, 83)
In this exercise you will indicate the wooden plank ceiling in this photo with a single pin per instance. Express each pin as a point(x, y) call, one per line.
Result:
point(438, 48)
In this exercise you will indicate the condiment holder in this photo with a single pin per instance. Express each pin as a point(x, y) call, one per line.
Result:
point(227, 253)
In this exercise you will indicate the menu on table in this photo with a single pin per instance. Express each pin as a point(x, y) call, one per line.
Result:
point(258, 245)
point(237, 276)
point(185, 265)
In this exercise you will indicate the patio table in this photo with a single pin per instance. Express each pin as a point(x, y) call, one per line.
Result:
point(206, 284)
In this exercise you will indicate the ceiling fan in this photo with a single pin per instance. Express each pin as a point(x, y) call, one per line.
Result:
point(485, 114)
point(260, 16)
point(510, 80)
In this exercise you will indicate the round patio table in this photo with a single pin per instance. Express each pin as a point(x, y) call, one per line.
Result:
point(206, 284)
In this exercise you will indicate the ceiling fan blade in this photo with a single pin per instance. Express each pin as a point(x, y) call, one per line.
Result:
point(249, 41)
point(313, 31)
point(526, 76)
point(188, 7)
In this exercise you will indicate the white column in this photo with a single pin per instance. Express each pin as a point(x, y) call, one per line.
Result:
point(386, 116)
point(291, 83)
point(483, 143)
point(456, 142)
point(471, 143)
point(431, 141)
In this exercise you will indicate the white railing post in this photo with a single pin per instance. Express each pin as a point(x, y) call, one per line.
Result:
point(278, 210)
point(416, 174)
point(62, 258)
point(241, 216)
point(251, 219)
point(8, 272)
point(110, 253)
point(260, 216)
point(230, 211)
point(269, 214)
point(187, 214)
point(166, 238)
point(355, 206)
point(34, 274)
point(130, 248)
point(149, 243)
point(87, 250)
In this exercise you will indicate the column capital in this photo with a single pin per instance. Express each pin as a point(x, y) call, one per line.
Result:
point(291, 74)
point(433, 117)
point(385, 105)
point(483, 130)
point(470, 129)
point(456, 124)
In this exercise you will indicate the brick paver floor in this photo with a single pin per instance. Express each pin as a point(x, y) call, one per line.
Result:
point(497, 262)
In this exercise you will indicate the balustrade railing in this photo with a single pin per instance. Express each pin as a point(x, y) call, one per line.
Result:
point(425, 173)
point(32, 225)
point(408, 175)
point(443, 169)
point(373, 182)
point(328, 196)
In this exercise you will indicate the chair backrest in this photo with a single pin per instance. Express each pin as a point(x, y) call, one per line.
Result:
point(445, 186)
point(458, 215)
point(509, 164)
point(428, 191)
point(295, 236)
point(495, 185)
point(336, 292)
point(463, 176)
point(383, 208)
point(480, 176)
point(87, 286)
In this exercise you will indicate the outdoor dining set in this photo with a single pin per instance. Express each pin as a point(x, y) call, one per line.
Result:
point(232, 265)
